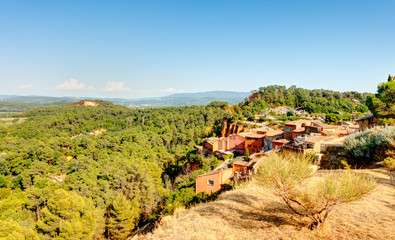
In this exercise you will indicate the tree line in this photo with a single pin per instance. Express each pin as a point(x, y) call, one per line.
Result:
point(312, 101)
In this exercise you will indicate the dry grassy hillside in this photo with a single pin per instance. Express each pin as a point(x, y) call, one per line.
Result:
point(251, 212)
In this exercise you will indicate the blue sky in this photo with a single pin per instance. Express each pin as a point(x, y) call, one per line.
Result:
point(133, 49)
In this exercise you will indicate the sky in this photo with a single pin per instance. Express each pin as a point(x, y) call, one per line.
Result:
point(134, 49)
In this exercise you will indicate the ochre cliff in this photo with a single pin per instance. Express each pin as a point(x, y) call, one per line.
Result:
point(230, 128)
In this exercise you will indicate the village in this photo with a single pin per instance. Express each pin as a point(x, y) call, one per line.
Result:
point(252, 145)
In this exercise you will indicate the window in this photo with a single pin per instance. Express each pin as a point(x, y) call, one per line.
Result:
point(255, 146)
point(288, 129)
point(210, 182)
point(256, 139)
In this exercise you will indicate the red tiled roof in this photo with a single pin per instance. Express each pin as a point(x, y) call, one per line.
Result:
point(274, 133)
point(242, 163)
point(281, 141)
point(299, 129)
point(298, 122)
point(251, 134)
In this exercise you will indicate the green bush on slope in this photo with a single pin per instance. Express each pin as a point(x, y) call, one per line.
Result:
point(374, 144)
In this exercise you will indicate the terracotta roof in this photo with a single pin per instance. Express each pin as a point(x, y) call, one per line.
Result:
point(262, 129)
point(274, 133)
point(298, 122)
point(211, 139)
point(251, 134)
point(214, 172)
point(302, 129)
point(316, 139)
point(243, 163)
point(324, 125)
point(282, 141)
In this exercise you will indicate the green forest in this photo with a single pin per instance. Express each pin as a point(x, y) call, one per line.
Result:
point(382, 104)
point(81, 172)
point(312, 101)
point(59, 181)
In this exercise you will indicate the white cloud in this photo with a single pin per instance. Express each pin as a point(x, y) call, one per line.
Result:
point(116, 87)
point(73, 84)
point(172, 90)
point(26, 86)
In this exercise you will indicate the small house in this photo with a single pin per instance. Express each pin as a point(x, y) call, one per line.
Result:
point(271, 136)
point(213, 181)
point(295, 128)
point(253, 141)
point(367, 122)
point(279, 143)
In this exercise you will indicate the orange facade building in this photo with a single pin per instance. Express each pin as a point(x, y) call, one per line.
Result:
point(279, 143)
point(213, 181)
point(253, 141)
point(214, 144)
point(236, 143)
point(295, 128)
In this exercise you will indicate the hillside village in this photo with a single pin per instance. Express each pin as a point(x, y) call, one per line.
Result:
point(303, 136)
point(197, 120)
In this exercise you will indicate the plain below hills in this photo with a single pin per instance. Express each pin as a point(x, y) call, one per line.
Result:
point(12, 103)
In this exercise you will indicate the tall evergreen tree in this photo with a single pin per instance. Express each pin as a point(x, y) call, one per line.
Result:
point(123, 215)
point(69, 216)
point(382, 105)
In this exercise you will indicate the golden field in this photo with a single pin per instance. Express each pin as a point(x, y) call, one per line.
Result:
point(254, 212)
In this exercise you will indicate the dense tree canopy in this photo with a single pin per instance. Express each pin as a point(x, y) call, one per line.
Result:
point(312, 101)
point(83, 172)
point(80, 172)
point(382, 105)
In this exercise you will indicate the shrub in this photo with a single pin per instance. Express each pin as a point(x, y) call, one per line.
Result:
point(315, 199)
point(251, 118)
point(331, 119)
point(263, 119)
point(373, 144)
point(179, 199)
point(230, 156)
point(389, 164)
point(247, 155)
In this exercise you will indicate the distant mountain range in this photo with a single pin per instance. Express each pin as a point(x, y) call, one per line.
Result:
point(178, 99)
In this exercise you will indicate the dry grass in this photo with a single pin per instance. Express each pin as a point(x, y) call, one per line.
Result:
point(6, 122)
point(252, 212)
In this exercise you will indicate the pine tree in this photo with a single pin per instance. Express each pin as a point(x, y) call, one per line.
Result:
point(123, 215)
point(12, 230)
point(382, 105)
point(69, 216)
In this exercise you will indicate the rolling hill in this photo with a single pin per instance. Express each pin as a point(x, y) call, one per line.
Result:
point(174, 100)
